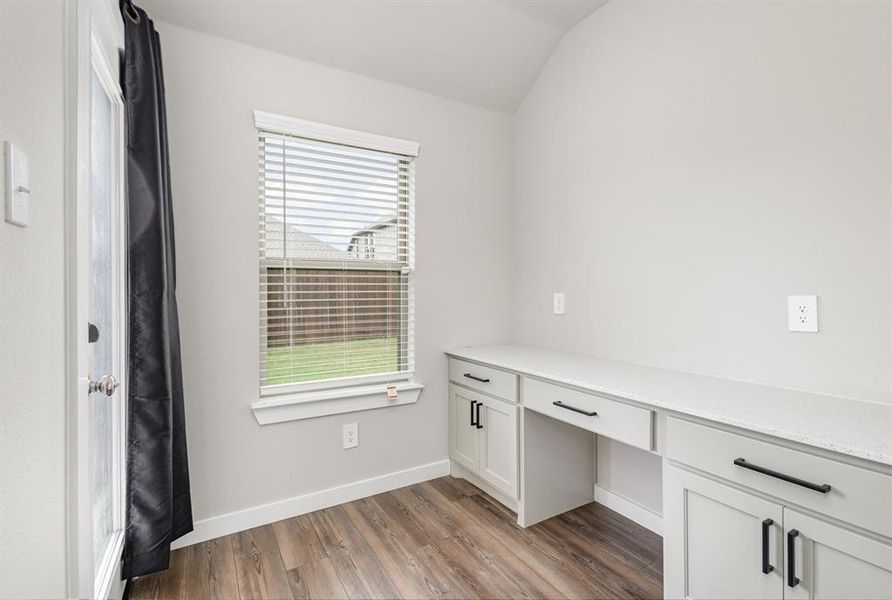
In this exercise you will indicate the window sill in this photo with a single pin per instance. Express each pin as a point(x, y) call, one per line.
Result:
point(309, 405)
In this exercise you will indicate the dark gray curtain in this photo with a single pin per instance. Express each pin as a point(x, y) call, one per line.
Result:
point(159, 506)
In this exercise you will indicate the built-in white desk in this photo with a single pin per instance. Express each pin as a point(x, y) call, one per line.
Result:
point(767, 492)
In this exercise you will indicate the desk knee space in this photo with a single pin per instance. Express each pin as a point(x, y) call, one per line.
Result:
point(557, 468)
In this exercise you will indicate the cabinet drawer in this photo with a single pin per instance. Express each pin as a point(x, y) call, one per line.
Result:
point(616, 420)
point(856, 495)
point(486, 379)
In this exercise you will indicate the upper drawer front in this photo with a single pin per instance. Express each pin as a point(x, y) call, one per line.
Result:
point(858, 496)
point(485, 379)
point(616, 420)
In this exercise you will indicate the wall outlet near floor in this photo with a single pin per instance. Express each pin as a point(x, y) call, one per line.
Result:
point(351, 435)
point(803, 313)
point(559, 307)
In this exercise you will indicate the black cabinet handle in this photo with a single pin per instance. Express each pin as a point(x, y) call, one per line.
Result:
point(792, 580)
point(574, 409)
point(823, 487)
point(766, 528)
point(478, 423)
point(475, 378)
point(473, 402)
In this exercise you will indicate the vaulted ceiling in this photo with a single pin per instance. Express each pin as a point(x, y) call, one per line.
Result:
point(482, 52)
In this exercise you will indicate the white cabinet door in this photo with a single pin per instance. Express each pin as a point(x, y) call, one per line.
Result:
point(464, 434)
point(498, 445)
point(719, 541)
point(829, 561)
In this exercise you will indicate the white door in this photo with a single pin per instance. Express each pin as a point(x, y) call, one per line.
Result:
point(464, 407)
point(105, 330)
point(98, 278)
point(831, 562)
point(720, 542)
point(498, 445)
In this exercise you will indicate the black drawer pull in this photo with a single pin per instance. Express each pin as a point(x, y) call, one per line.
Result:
point(823, 488)
point(478, 423)
point(480, 379)
point(574, 409)
point(766, 527)
point(473, 422)
point(792, 580)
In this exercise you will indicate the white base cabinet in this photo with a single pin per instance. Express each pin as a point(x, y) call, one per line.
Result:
point(483, 438)
point(713, 540)
point(832, 562)
point(721, 541)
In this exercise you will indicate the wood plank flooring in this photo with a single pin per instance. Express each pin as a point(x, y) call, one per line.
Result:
point(439, 539)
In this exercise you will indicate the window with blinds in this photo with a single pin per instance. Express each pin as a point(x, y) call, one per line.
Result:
point(336, 263)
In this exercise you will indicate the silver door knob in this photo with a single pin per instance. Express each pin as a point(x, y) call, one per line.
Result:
point(106, 385)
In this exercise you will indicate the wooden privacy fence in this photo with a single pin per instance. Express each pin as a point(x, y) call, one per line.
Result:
point(316, 305)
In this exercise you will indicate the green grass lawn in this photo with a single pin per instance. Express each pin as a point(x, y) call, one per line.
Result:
point(327, 360)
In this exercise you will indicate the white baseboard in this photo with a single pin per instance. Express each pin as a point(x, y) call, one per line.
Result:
point(630, 509)
point(214, 527)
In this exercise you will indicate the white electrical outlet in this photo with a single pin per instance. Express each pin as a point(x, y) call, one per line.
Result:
point(351, 435)
point(559, 307)
point(803, 313)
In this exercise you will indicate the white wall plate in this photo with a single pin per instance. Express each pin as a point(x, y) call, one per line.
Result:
point(803, 313)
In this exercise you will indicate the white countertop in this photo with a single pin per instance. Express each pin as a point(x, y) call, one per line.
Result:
point(854, 427)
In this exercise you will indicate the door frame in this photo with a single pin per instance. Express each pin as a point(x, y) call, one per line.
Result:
point(91, 27)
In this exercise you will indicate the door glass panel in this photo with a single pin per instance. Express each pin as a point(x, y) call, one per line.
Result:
point(102, 315)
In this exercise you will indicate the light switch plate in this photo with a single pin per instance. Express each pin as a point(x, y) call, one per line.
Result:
point(803, 313)
point(17, 192)
point(559, 306)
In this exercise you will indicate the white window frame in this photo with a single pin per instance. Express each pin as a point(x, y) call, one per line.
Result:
point(294, 401)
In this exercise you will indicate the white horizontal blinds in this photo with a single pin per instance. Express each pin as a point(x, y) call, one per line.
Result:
point(336, 261)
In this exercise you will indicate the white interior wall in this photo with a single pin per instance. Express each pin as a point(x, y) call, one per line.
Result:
point(681, 167)
point(463, 263)
point(32, 328)
point(647, 157)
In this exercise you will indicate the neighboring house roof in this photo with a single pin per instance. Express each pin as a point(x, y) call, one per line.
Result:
point(285, 240)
